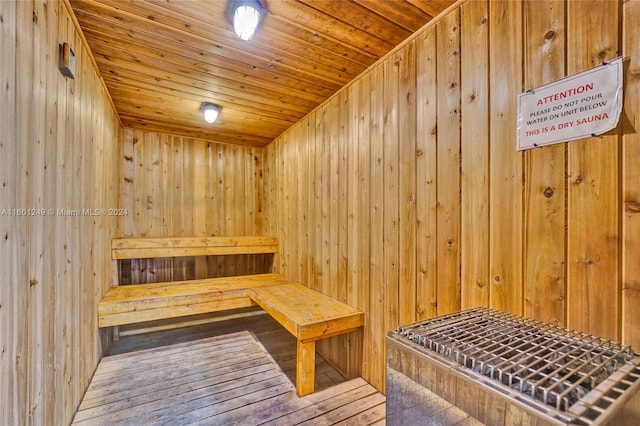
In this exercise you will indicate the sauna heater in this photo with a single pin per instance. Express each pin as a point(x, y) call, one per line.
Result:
point(505, 369)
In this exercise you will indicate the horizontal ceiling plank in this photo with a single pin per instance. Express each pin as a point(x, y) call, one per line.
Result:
point(103, 34)
point(156, 21)
point(276, 32)
point(400, 12)
point(285, 120)
point(432, 7)
point(331, 27)
point(160, 59)
point(357, 17)
point(162, 126)
point(153, 106)
point(241, 101)
point(147, 71)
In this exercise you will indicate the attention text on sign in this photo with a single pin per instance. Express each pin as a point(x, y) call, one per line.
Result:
point(583, 105)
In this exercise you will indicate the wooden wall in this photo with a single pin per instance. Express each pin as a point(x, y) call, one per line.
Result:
point(404, 194)
point(58, 150)
point(178, 186)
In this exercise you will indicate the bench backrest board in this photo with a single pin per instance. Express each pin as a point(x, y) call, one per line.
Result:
point(147, 248)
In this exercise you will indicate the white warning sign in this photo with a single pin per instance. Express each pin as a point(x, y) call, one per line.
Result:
point(579, 106)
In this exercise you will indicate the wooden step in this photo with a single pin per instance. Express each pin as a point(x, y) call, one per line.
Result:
point(305, 313)
point(308, 315)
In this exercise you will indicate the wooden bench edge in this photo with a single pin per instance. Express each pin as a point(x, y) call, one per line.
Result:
point(238, 288)
point(135, 317)
point(158, 247)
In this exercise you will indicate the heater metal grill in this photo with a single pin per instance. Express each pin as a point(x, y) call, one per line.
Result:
point(579, 376)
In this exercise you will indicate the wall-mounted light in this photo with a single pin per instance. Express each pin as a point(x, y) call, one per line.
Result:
point(245, 15)
point(210, 112)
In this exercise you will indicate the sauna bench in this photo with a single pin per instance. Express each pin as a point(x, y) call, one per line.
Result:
point(307, 314)
point(310, 316)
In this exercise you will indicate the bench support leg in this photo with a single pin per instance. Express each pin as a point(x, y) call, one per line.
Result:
point(305, 368)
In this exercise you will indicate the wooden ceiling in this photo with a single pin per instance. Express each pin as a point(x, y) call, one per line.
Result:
point(161, 59)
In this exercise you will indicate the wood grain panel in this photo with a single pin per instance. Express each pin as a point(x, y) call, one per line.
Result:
point(11, 409)
point(448, 163)
point(362, 220)
point(631, 180)
point(374, 339)
point(407, 185)
point(185, 187)
point(426, 167)
point(505, 167)
point(391, 196)
point(161, 60)
point(503, 210)
point(64, 134)
point(59, 147)
point(593, 248)
point(544, 203)
point(475, 155)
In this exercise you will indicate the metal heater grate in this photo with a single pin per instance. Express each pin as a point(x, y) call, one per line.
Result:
point(578, 375)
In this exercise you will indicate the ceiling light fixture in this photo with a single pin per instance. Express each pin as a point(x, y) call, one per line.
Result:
point(245, 15)
point(210, 112)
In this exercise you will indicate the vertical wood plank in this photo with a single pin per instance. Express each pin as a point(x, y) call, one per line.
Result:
point(448, 157)
point(351, 341)
point(593, 248)
point(212, 195)
point(426, 174)
point(362, 276)
point(407, 185)
point(153, 188)
point(24, 186)
point(221, 160)
point(287, 225)
point(61, 258)
point(70, 247)
point(474, 271)
point(343, 188)
point(10, 408)
point(631, 179)
point(335, 260)
point(544, 200)
point(505, 213)
point(374, 328)
point(391, 209)
point(353, 194)
point(333, 112)
point(324, 133)
point(342, 342)
point(199, 172)
point(37, 280)
point(127, 185)
point(50, 164)
point(318, 200)
point(140, 184)
point(303, 202)
point(166, 181)
point(314, 243)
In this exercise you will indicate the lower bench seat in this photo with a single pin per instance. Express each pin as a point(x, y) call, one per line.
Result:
point(130, 304)
point(307, 314)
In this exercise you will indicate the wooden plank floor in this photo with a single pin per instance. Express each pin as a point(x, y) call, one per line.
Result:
point(218, 374)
